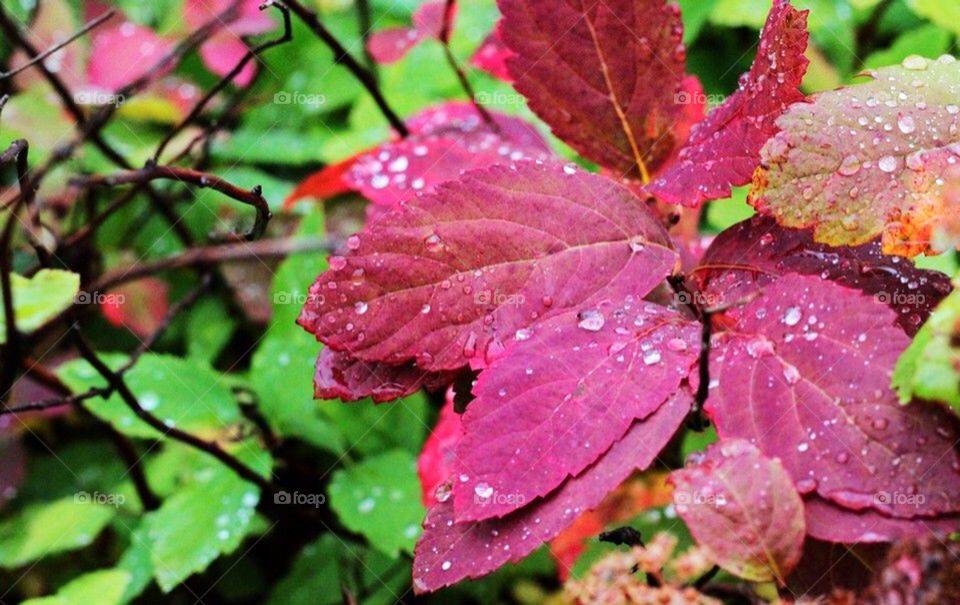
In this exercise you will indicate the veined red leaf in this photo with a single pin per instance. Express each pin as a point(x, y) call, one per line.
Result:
point(868, 160)
point(743, 509)
point(804, 374)
point(446, 141)
point(724, 149)
point(341, 376)
point(491, 55)
point(562, 396)
point(606, 76)
point(495, 252)
point(751, 254)
point(435, 462)
point(833, 523)
point(448, 552)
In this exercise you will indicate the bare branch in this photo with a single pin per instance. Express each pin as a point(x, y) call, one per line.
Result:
point(40, 57)
point(152, 172)
point(343, 57)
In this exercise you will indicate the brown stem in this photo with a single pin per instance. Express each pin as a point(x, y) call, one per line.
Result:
point(152, 172)
point(343, 57)
point(40, 57)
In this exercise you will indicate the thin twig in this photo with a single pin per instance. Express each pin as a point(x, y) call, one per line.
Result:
point(343, 57)
point(151, 172)
point(445, 32)
point(40, 57)
point(251, 54)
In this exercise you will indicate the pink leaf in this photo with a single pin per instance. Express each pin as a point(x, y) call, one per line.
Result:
point(804, 374)
point(249, 19)
point(449, 139)
point(742, 509)
point(753, 253)
point(495, 252)
point(340, 376)
point(431, 19)
point(491, 56)
point(605, 76)
point(833, 523)
point(436, 460)
point(122, 54)
point(724, 149)
point(139, 305)
point(560, 397)
point(448, 552)
point(221, 54)
point(392, 43)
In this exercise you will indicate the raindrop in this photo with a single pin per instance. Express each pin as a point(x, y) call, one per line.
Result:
point(887, 163)
point(483, 490)
point(590, 320)
point(792, 316)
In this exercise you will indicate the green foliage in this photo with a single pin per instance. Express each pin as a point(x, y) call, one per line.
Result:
point(380, 498)
point(930, 367)
point(104, 587)
point(46, 528)
point(39, 299)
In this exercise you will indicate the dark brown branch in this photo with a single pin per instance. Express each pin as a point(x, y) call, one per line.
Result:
point(269, 248)
point(151, 172)
point(42, 56)
point(119, 385)
point(132, 460)
point(251, 54)
point(343, 57)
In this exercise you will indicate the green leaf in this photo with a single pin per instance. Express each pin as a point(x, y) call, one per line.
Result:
point(695, 13)
point(206, 518)
point(39, 299)
point(926, 41)
point(44, 529)
point(135, 560)
point(104, 587)
point(944, 14)
point(380, 498)
point(209, 327)
point(321, 567)
point(930, 367)
point(184, 393)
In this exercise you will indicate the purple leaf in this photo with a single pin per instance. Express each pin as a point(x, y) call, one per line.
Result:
point(724, 149)
point(448, 552)
point(340, 376)
point(751, 254)
point(606, 76)
point(833, 523)
point(742, 508)
point(448, 279)
point(804, 374)
point(560, 397)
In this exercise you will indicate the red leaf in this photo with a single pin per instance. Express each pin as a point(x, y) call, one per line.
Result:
point(562, 396)
point(462, 270)
point(431, 18)
point(435, 462)
point(391, 44)
point(753, 253)
point(804, 374)
point(449, 139)
point(448, 552)
point(326, 182)
point(743, 509)
point(139, 305)
point(833, 523)
point(491, 56)
point(340, 376)
point(123, 53)
point(221, 54)
point(724, 149)
point(606, 76)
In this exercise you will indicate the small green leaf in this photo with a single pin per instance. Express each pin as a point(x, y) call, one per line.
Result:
point(44, 529)
point(928, 368)
point(323, 566)
point(926, 41)
point(380, 498)
point(207, 518)
point(184, 393)
point(944, 14)
point(40, 298)
point(104, 587)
